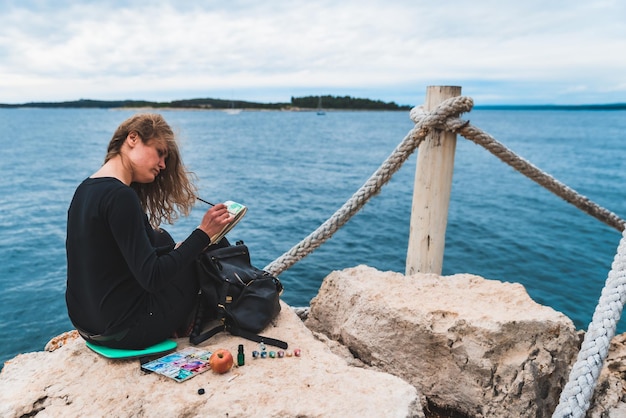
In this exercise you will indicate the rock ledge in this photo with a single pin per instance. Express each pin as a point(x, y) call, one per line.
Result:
point(74, 381)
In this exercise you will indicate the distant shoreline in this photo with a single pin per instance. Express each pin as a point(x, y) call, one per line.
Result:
point(303, 104)
point(307, 103)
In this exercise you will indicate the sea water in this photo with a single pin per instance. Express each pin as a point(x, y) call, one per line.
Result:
point(293, 170)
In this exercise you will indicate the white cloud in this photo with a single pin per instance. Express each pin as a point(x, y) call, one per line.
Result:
point(168, 50)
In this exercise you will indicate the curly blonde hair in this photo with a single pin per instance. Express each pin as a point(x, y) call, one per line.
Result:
point(173, 192)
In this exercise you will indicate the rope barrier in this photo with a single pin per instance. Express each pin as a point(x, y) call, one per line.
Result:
point(532, 172)
point(576, 396)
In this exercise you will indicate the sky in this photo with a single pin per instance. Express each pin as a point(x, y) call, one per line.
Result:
point(498, 51)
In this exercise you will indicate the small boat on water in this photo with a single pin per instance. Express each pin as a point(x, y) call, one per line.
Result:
point(320, 111)
point(232, 110)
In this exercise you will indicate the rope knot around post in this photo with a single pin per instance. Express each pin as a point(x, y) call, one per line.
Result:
point(444, 116)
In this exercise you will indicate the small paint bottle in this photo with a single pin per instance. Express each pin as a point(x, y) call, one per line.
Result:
point(241, 360)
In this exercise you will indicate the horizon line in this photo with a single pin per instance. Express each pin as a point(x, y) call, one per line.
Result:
point(614, 105)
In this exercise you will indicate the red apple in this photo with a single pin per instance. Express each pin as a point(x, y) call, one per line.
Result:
point(221, 361)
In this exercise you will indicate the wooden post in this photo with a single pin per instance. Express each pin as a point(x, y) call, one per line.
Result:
point(431, 192)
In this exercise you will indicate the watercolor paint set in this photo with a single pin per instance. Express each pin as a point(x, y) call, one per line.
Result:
point(180, 365)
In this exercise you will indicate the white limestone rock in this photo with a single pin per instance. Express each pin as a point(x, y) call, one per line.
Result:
point(473, 346)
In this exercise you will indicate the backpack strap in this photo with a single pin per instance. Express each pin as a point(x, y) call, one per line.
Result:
point(197, 339)
point(257, 338)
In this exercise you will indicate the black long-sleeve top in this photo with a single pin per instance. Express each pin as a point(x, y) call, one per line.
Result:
point(113, 265)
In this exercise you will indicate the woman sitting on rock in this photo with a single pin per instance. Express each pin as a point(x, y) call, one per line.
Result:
point(128, 284)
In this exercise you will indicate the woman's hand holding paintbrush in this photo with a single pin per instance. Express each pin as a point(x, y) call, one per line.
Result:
point(215, 219)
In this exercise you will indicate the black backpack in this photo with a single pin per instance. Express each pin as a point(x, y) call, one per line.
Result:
point(243, 298)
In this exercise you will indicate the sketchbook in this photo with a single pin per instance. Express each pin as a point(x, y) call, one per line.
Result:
point(180, 365)
point(237, 210)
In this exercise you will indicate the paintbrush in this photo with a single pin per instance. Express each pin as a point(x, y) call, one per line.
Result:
point(204, 201)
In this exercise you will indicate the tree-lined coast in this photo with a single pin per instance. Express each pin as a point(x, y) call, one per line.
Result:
point(297, 103)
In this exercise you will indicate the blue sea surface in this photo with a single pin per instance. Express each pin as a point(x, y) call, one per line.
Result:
point(294, 170)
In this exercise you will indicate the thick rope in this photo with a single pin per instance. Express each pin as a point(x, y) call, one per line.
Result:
point(451, 107)
point(576, 396)
point(529, 170)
